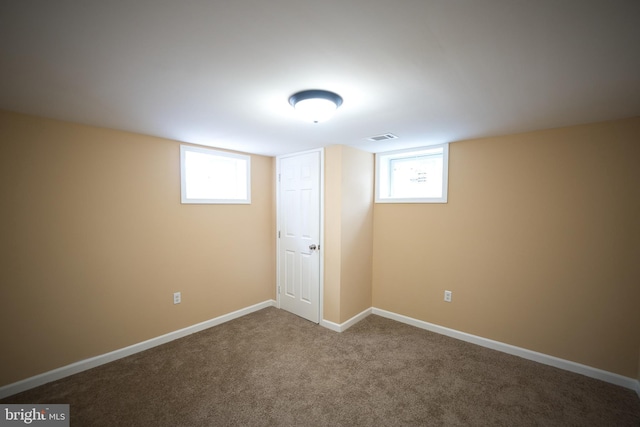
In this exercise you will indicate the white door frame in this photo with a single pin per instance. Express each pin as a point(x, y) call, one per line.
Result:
point(321, 251)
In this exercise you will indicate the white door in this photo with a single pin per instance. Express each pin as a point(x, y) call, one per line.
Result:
point(299, 234)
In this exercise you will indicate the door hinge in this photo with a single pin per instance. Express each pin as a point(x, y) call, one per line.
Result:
point(278, 234)
point(279, 177)
point(278, 289)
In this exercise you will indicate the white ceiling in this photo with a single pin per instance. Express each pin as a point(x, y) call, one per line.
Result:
point(220, 72)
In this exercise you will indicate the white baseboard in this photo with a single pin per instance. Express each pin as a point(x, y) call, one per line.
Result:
point(330, 325)
point(346, 325)
point(567, 365)
point(83, 365)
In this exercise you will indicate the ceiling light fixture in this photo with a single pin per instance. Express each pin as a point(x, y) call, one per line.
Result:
point(315, 105)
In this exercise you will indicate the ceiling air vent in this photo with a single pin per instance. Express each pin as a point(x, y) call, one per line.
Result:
point(382, 137)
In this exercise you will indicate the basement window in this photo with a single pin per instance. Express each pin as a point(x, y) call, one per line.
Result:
point(417, 175)
point(210, 176)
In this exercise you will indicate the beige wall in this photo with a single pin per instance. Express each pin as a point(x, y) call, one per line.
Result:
point(348, 232)
point(539, 244)
point(332, 233)
point(95, 242)
point(357, 232)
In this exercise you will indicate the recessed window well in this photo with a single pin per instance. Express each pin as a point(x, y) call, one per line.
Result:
point(417, 175)
point(211, 176)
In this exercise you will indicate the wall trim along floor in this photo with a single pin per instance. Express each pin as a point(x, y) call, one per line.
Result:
point(346, 325)
point(567, 365)
point(93, 362)
point(83, 365)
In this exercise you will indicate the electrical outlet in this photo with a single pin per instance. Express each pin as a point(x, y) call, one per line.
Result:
point(447, 296)
point(177, 298)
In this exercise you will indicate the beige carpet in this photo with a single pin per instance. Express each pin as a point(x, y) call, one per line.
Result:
point(271, 368)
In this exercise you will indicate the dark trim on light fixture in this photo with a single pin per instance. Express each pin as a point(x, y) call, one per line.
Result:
point(315, 93)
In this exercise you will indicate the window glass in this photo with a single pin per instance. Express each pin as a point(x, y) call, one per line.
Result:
point(210, 176)
point(412, 176)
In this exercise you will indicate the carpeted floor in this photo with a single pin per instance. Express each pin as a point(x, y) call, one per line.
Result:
point(271, 368)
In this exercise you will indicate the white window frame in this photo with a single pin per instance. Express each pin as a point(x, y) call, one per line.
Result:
point(184, 149)
point(383, 173)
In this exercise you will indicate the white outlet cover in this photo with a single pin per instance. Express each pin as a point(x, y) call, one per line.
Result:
point(447, 296)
